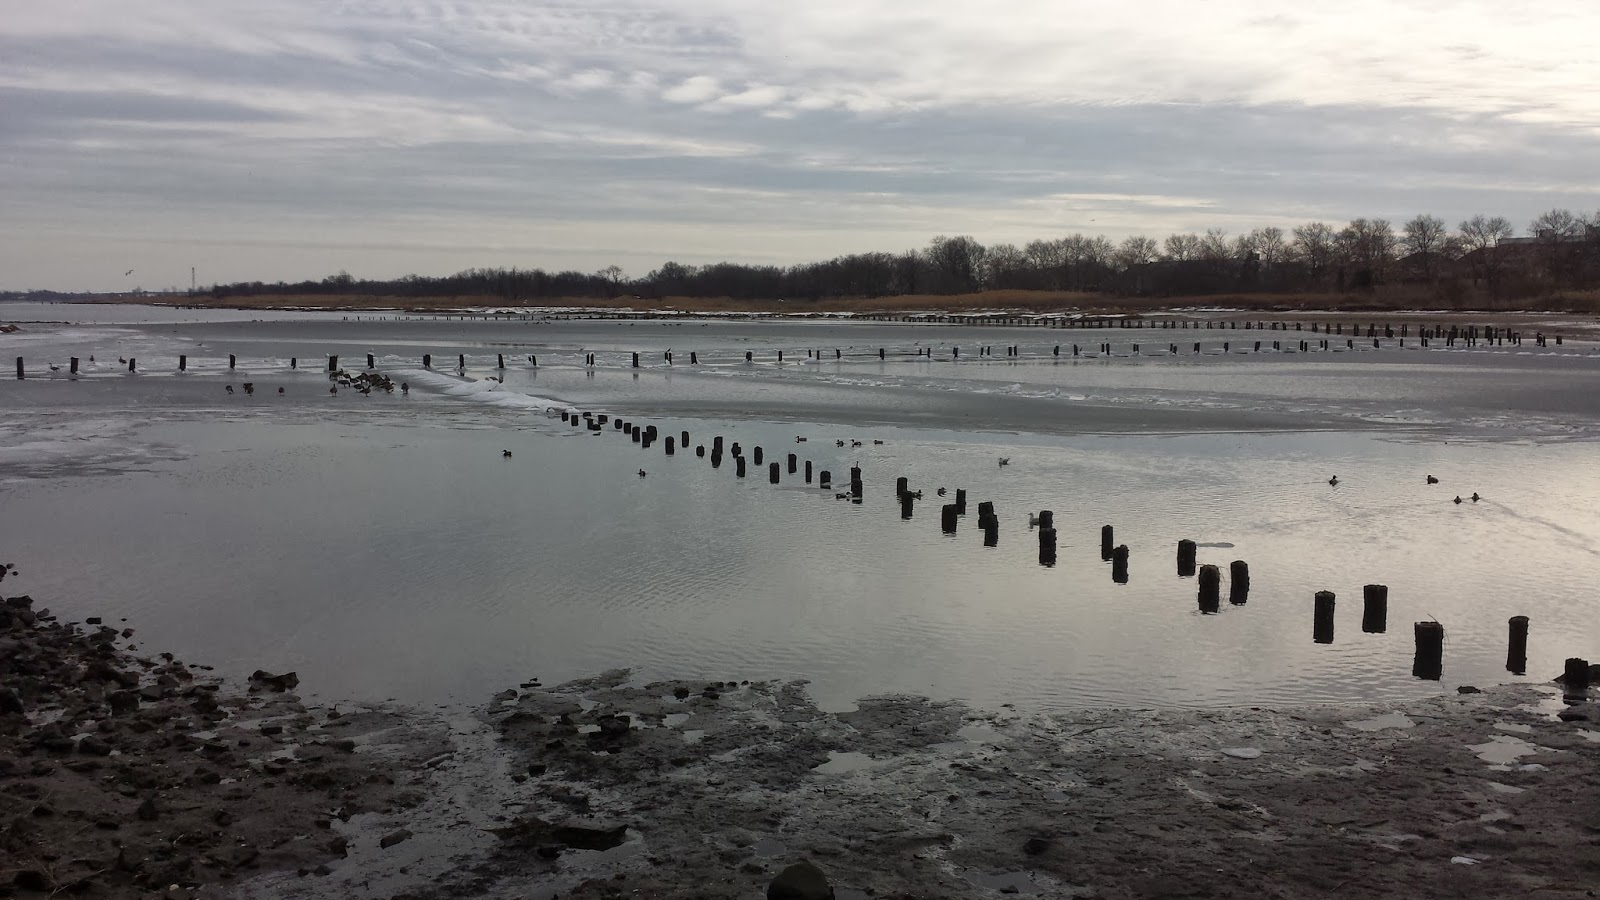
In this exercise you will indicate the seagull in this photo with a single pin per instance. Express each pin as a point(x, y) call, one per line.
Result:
point(1033, 521)
point(127, 273)
point(1334, 480)
point(506, 454)
point(1005, 460)
point(1432, 480)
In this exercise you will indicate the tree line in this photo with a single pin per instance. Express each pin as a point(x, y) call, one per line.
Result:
point(1482, 254)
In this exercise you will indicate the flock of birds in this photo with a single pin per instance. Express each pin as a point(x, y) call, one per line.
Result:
point(1431, 480)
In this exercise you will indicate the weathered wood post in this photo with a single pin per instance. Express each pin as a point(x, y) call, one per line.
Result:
point(794, 463)
point(371, 361)
point(825, 480)
point(991, 532)
point(1047, 547)
point(183, 363)
point(1322, 617)
point(683, 439)
point(738, 466)
point(1106, 541)
point(808, 471)
point(694, 358)
point(1238, 582)
point(133, 364)
point(73, 370)
point(636, 360)
point(907, 503)
point(500, 360)
point(700, 450)
point(1186, 558)
point(634, 432)
point(427, 361)
point(716, 445)
point(880, 353)
point(1119, 564)
point(1575, 677)
point(1210, 589)
point(902, 486)
point(461, 360)
point(773, 473)
point(855, 482)
point(671, 448)
point(948, 517)
point(234, 361)
point(1374, 608)
point(1047, 519)
point(749, 356)
point(21, 372)
point(1428, 664)
point(961, 501)
point(1517, 650)
point(737, 450)
point(756, 454)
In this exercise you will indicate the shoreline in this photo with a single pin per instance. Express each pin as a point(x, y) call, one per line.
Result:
point(606, 787)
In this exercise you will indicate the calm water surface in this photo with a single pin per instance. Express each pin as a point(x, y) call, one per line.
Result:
point(383, 547)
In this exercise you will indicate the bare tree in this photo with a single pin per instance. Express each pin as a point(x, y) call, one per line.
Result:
point(1214, 247)
point(1137, 250)
point(1005, 267)
point(612, 275)
point(1268, 244)
point(1317, 245)
point(1482, 236)
point(1182, 247)
point(1425, 237)
point(1369, 245)
point(1557, 225)
point(958, 261)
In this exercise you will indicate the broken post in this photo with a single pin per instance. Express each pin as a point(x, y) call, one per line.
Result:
point(773, 473)
point(808, 471)
point(1374, 608)
point(333, 364)
point(755, 454)
point(907, 502)
point(961, 501)
point(1186, 558)
point(794, 463)
point(1517, 650)
point(74, 366)
point(1047, 547)
point(948, 518)
point(1105, 542)
point(427, 361)
point(1119, 564)
point(1238, 582)
point(370, 361)
point(1210, 594)
point(738, 466)
point(1575, 677)
point(825, 480)
point(670, 448)
point(183, 363)
point(21, 374)
point(1428, 664)
point(1322, 617)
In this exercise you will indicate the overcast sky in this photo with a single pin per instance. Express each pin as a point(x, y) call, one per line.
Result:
point(286, 139)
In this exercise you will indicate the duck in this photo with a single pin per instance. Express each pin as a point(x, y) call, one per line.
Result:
point(1432, 480)
point(1475, 497)
point(228, 388)
point(838, 443)
point(1005, 461)
point(799, 440)
point(333, 390)
point(1334, 480)
point(642, 473)
point(1458, 499)
point(405, 388)
point(940, 492)
point(855, 443)
point(55, 368)
point(280, 392)
point(506, 454)
point(875, 441)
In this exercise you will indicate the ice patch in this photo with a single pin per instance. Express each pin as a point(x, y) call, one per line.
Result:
point(1378, 723)
point(487, 391)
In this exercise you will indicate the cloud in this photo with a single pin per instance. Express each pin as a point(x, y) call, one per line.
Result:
point(460, 134)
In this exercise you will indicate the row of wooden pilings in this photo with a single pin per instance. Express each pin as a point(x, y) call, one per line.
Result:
point(1469, 337)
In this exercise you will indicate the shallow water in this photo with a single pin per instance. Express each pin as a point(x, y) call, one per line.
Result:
point(382, 547)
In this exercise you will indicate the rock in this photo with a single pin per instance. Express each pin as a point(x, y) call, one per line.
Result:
point(147, 811)
point(345, 745)
point(1035, 846)
point(151, 692)
point(9, 701)
point(537, 769)
point(270, 730)
point(394, 837)
point(1584, 713)
point(92, 620)
point(339, 846)
point(123, 702)
point(505, 695)
point(288, 681)
point(93, 746)
point(581, 836)
point(801, 881)
point(1468, 689)
point(682, 693)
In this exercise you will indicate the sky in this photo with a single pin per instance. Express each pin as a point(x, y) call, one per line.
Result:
point(290, 139)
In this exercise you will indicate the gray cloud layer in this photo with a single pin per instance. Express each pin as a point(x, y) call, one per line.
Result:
point(290, 138)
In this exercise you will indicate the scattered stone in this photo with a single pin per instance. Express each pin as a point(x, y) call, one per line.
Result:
point(93, 746)
point(394, 837)
point(288, 681)
point(1468, 689)
point(1035, 846)
point(801, 881)
point(147, 811)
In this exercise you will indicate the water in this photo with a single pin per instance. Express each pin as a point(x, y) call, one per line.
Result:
point(381, 546)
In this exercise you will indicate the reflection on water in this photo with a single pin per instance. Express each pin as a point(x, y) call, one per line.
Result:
point(384, 547)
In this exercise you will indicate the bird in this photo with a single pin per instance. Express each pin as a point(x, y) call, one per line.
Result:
point(55, 368)
point(1458, 499)
point(876, 441)
point(838, 443)
point(1334, 480)
point(799, 440)
point(333, 390)
point(1432, 480)
point(855, 443)
point(1005, 461)
point(280, 392)
point(1475, 497)
point(127, 273)
point(405, 387)
point(915, 495)
point(841, 496)
point(940, 492)
point(1033, 521)
point(230, 388)
point(119, 359)
point(641, 473)
point(506, 454)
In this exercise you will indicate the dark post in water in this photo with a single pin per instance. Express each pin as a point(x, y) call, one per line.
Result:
point(1119, 563)
point(1186, 558)
point(1322, 618)
point(1428, 664)
point(1517, 652)
point(1374, 608)
point(1106, 541)
point(1210, 589)
point(1238, 582)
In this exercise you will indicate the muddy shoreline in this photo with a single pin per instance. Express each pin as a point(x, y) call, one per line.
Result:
point(607, 787)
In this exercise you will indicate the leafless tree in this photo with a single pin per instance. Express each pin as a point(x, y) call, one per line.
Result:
point(1182, 247)
point(1137, 251)
point(1268, 244)
point(1425, 237)
point(1482, 235)
point(1369, 246)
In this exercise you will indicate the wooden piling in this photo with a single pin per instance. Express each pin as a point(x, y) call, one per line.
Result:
point(1238, 582)
point(1210, 596)
point(808, 471)
point(636, 360)
point(1517, 648)
point(1428, 663)
point(427, 361)
point(183, 363)
point(683, 439)
point(700, 451)
point(1047, 519)
point(907, 502)
point(774, 474)
point(333, 364)
point(1575, 676)
point(855, 482)
point(671, 448)
point(1186, 558)
point(948, 517)
point(21, 372)
point(1047, 547)
point(633, 433)
point(1374, 608)
point(371, 362)
point(133, 364)
point(716, 444)
point(825, 479)
point(738, 466)
point(234, 361)
point(991, 532)
point(1106, 541)
point(756, 453)
point(901, 486)
point(961, 501)
point(1322, 617)
point(1119, 564)
point(749, 356)
point(794, 463)
point(74, 366)
point(500, 360)
point(736, 449)
point(694, 358)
